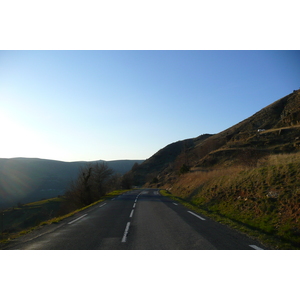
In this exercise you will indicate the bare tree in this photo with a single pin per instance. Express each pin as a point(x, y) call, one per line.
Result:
point(80, 190)
point(114, 182)
point(101, 176)
point(91, 184)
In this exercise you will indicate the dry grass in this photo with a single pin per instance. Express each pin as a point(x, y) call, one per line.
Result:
point(265, 197)
point(282, 159)
point(189, 182)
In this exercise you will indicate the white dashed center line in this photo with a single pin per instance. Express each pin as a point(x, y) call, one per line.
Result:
point(255, 247)
point(196, 215)
point(131, 213)
point(125, 233)
point(102, 205)
point(128, 224)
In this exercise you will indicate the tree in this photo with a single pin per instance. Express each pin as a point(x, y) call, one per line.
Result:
point(101, 175)
point(80, 190)
point(135, 166)
point(114, 182)
point(91, 184)
point(154, 180)
point(127, 181)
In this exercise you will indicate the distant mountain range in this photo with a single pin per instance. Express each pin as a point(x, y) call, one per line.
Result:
point(24, 180)
point(273, 129)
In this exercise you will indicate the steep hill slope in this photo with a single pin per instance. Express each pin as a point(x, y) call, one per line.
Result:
point(274, 129)
point(246, 176)
point(161, 161)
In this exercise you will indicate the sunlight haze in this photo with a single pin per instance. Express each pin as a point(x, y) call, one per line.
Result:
point(91, 105)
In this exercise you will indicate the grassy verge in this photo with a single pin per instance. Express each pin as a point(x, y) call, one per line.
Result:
point(261, 201)
point(22, 220)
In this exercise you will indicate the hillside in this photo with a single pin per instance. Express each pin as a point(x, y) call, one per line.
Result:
point(24, 180)
point(246, 176)
point(274, 129)
point(161, 161)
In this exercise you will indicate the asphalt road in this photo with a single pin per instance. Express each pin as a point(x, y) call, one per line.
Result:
point(137, 220)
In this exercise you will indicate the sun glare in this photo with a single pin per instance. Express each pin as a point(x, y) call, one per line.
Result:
point(16, 139)
point(20, 140)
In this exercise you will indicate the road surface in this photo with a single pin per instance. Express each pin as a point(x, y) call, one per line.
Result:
point(136, 220)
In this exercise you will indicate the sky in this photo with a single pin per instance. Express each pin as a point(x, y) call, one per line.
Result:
point(110, 105)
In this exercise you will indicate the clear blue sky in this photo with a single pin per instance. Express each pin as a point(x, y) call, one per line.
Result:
point(90, 105)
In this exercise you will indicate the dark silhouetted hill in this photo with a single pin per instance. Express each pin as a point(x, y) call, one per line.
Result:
point(30, 179)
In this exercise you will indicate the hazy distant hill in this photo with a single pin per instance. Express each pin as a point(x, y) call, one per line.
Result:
point(274, 129)
point(30, 179)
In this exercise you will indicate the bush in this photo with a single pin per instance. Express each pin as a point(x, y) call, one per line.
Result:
point(184, 169)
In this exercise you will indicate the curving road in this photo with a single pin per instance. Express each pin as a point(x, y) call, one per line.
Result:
point(137, 220)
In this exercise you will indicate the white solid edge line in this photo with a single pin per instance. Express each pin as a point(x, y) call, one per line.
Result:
point(255, 247)
point(125, 233)
point(77, 219)
point(196, 215)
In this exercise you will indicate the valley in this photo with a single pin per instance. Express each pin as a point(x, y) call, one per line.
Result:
point(25, 180)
